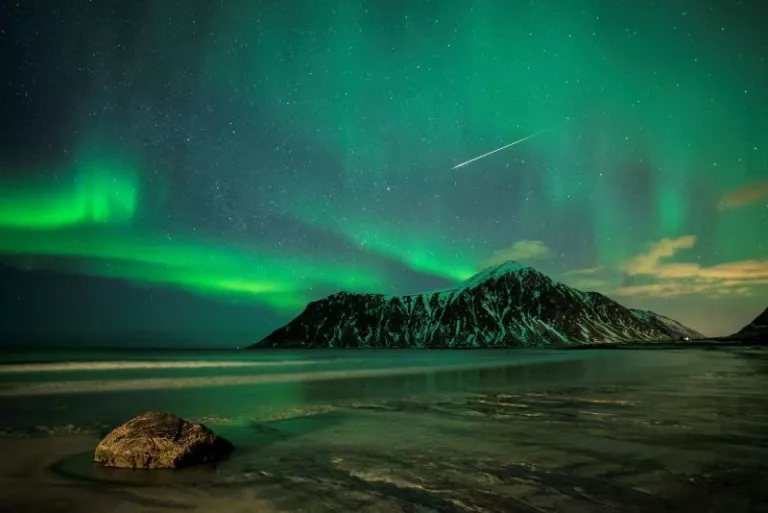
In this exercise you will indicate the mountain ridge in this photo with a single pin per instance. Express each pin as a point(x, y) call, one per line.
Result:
point(758, 328)
point(506, 305)
point(668, 323)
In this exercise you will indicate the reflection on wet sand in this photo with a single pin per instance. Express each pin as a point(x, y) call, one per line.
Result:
point(559, 439)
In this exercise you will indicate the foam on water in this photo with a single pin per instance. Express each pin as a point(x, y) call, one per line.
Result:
point(96, 386)
point(92, 402)
point(134, 365)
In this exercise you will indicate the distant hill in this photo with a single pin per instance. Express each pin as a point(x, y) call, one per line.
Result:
point(503, 306)
point(757, 329)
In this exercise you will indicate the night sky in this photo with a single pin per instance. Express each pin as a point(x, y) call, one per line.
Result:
point(233, 160)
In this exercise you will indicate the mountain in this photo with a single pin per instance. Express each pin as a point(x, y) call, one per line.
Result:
point(755, 329)
point(502, 306)
point(674, 329)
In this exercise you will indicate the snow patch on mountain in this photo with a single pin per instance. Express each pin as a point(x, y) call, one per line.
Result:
point(675, 330)
point(502, 306)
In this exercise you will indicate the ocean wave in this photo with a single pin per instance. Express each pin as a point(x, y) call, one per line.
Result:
point(100, 386)
point(138, 365)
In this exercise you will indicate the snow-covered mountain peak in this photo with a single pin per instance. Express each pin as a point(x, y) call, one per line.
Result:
point(488, 275)
point(499, 270)
point(508, 270)
point(504, 305)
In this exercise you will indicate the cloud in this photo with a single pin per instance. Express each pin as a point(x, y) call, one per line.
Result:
point(648, 262)
point(743, 196)
point(589, 271)
point(684, 278)
point(682, 288)
point(587, 283)
point(590, 278)
point(753, 270)
point(520, 250)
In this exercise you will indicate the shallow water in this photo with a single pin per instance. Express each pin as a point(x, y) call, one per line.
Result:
point(406, 431)
point(87, 389)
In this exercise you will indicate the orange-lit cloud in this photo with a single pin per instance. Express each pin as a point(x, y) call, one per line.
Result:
point(521, 250)
point(649, 262)
point(683, 288)
point(682, 278)
point(743, 196)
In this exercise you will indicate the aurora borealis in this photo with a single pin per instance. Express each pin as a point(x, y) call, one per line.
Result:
point(270, 153)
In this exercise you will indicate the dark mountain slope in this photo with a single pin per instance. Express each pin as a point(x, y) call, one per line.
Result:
point(503, 306)
point(755, 329)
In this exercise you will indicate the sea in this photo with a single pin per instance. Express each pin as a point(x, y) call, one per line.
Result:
point(397, 430)
point(45, 390)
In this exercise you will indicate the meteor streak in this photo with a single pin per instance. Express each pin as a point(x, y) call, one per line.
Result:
point(499, 149)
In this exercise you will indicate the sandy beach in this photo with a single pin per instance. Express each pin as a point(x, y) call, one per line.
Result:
point(682, 441)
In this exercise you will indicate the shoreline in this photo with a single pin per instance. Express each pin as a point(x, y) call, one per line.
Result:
point(714, 343)
point(632, 443)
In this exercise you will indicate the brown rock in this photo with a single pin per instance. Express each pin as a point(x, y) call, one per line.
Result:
point(160, 440)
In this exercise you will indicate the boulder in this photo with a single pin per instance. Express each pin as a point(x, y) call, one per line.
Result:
point(160, 440)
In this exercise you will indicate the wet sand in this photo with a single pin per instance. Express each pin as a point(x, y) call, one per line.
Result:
point(678, 442)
